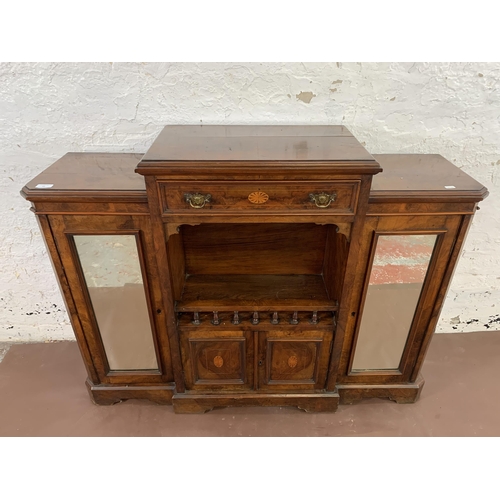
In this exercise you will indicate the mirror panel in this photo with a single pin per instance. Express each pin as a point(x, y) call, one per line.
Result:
point(112, 272)
point(397, 276)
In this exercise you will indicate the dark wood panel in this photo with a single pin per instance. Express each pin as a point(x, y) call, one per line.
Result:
point(427, 205)
point(352, 283)
point(167, 312)
point(254, 248)
point(336, 252)
point(177, 262)
point(99, 206)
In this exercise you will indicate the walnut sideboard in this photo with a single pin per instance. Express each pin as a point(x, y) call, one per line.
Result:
point(253, 265)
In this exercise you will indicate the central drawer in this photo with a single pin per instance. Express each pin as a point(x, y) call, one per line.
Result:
point(339, 197)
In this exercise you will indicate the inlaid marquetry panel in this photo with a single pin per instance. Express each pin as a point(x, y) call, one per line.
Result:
point(223, 360)
point(218, 360)
point(294, 360)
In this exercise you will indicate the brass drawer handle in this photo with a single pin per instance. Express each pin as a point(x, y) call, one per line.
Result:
point(322, 200)
point(197, 200)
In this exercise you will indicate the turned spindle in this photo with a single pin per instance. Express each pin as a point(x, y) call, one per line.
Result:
point(236, 318)
point(216, 320)
point(295, 318)
point(196, 318)
point(275, 320)
point(314, 318)
point(255, 318)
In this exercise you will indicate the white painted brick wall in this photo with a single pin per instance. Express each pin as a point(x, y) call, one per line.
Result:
point(46, 110)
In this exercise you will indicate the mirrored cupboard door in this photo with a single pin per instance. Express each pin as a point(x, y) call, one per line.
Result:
point(114, 284)
point(404, 270)
point(398, 271)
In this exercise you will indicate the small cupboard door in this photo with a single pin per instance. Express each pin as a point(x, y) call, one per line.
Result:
point(216, 360)
point(111, 271)
point(289, 360)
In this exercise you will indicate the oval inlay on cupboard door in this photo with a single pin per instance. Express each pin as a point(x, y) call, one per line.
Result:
point(292, 361)
point(218, 361)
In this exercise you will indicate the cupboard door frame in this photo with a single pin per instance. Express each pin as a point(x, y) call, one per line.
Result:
point(446, 229)
point(267, 340)
point(64, 228)
point(190, 340)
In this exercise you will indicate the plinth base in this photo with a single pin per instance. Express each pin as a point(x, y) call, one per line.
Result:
point(400, 393)
point(110, 395)
point(197, 403)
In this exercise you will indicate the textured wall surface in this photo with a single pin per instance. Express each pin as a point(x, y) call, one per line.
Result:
point(46, 110)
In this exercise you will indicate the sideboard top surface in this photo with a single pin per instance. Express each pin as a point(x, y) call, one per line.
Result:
point(88, 173)
point(403, 175)
point(417, 175)
point(249, 144)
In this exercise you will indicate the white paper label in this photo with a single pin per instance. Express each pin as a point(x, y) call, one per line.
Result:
point(44, 186)
point(449, 187)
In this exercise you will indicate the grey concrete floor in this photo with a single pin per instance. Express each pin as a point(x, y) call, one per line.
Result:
point(42, 393)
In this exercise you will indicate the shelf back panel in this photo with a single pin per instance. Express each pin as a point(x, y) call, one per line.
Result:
point(254, 248)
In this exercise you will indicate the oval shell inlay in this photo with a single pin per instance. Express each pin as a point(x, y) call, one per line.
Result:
point(258, 197)
point(292, 361)
point(218, 361)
